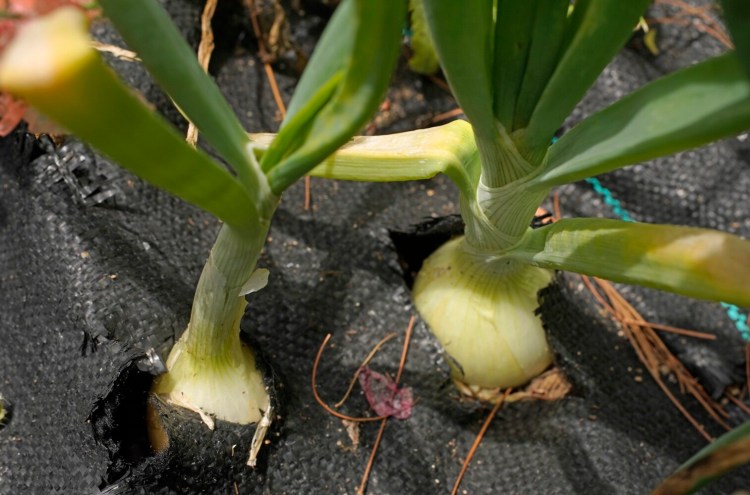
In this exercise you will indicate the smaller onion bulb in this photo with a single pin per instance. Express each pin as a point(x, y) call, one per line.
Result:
point(482, 310)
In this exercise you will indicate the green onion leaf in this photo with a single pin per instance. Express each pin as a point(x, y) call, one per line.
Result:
point(331, 55)
point(412, 155)
point(51, 65)
point(295, 129)
point(147, 28)
point(737, 16)
point(376, 46)
point(713, 461)
point(528, 45)
point(424, 59)
point(700, 263)
point(597, 30)
point(512, 44)
point(544, 53)
point(463, 37)
point(688, 108)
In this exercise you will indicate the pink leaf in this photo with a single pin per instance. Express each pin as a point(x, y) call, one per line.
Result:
point(384, 396)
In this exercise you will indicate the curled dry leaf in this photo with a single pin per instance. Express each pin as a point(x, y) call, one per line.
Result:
point(384, 396)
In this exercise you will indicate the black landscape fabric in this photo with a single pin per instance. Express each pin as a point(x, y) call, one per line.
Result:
point(97, 271)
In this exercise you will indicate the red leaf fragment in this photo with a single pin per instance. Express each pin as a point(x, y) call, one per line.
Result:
point(384, 396)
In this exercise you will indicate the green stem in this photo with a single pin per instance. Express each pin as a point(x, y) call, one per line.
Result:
point(503, 204)
point(501, 161)
point(497, 218)
point(218, 304)
point(210, 371)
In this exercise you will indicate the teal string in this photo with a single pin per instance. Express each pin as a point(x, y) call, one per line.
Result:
point(733, 312)
point(610, 200)
point(739, 319)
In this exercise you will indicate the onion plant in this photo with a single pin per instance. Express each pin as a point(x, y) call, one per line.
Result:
point(518, 68)
point(52, 66)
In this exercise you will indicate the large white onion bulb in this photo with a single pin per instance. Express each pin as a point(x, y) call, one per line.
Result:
point(482, 310)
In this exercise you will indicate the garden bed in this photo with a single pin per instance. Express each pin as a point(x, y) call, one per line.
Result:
point(97, 271)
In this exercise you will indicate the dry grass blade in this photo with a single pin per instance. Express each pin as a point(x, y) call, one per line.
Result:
point(205, 49)
point(118, 52)
point(206, 46)
point(478, 440)
point(402, 364)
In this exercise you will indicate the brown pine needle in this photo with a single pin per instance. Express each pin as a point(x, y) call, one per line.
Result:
point(556, 211)
point(405, 349)
point(308, 195)
point(205, 49)
point(250, 5)
point(365, 362)
point(371, 460)
point(713, 32)
point(440, 83)
point(600, 299)
point(654, 354)
point(737, 402)
point(652, 351)
point(478, 440)
point(402, 363)
point(322, 403)
point(275, 89)
point(446, 115)
point(264, 56)
point(701, 20)
point(671, 329)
